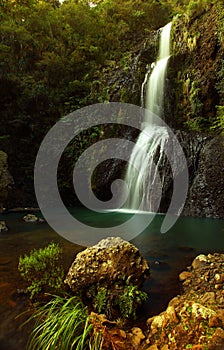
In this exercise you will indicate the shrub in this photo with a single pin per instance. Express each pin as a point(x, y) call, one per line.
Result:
point(42, 269)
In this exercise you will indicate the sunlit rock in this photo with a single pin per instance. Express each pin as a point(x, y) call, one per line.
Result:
point(111, 262)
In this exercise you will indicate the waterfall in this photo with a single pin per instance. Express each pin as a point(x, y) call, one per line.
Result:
point(144, 183)
point(155, 85)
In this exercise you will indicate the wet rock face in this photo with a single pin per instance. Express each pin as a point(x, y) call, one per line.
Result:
point(206, 193)
point(6, 180)
point(205, 160)
point(111, 263)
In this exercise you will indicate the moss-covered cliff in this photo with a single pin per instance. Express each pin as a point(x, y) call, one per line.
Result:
point(196, 75)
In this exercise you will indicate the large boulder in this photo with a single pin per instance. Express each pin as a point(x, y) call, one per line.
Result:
point(112, 262)
point(108, 277)
point(6, 180)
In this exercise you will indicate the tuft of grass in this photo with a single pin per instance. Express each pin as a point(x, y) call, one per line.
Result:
point(62, 324)
point(96, 341)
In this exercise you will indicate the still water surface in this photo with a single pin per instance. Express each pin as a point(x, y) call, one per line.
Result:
point(168, 254)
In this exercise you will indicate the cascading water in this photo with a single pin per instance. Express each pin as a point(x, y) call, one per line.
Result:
point(144, 183)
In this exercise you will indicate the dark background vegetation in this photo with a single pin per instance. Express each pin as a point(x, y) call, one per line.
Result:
point(56, 58)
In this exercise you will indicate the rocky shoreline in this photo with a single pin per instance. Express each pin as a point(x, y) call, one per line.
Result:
point(195, 319)
point(192, 320)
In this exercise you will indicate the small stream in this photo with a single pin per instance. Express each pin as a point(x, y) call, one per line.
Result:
point(168, 254)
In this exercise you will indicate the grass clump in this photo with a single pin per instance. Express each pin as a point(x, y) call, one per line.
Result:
point(63, 324)
point(42, 269)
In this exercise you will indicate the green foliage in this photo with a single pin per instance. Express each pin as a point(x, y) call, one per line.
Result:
point(196, 7)
point(56, 58)
point(128, 302)
point(195, 124)
point(195, 101)
point(63, 324)
point(190, 9)
point(42, 269)
point(100, 301)
point(4, 137)
point(192, 41)
point(218, 123)
point(220, 82)
point(95, 342)
point(220, 22)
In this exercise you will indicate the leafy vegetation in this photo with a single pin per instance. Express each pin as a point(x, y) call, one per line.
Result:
point(125, 301)
point(100, 300)
point(218, 123)
point(63, 324)
point(52, 58)
point(131, 298)
point(42, 269)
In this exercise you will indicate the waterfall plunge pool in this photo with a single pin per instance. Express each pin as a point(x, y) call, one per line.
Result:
point(167, 254)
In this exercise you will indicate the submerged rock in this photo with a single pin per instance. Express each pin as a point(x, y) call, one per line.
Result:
point(3, 227)
point(32, 218)
point(111, 262)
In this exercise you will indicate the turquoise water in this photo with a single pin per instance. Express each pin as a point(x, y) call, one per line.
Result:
point(167, 254)
point(198, 233)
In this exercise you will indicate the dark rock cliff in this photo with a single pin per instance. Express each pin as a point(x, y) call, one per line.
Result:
point(206, 191)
